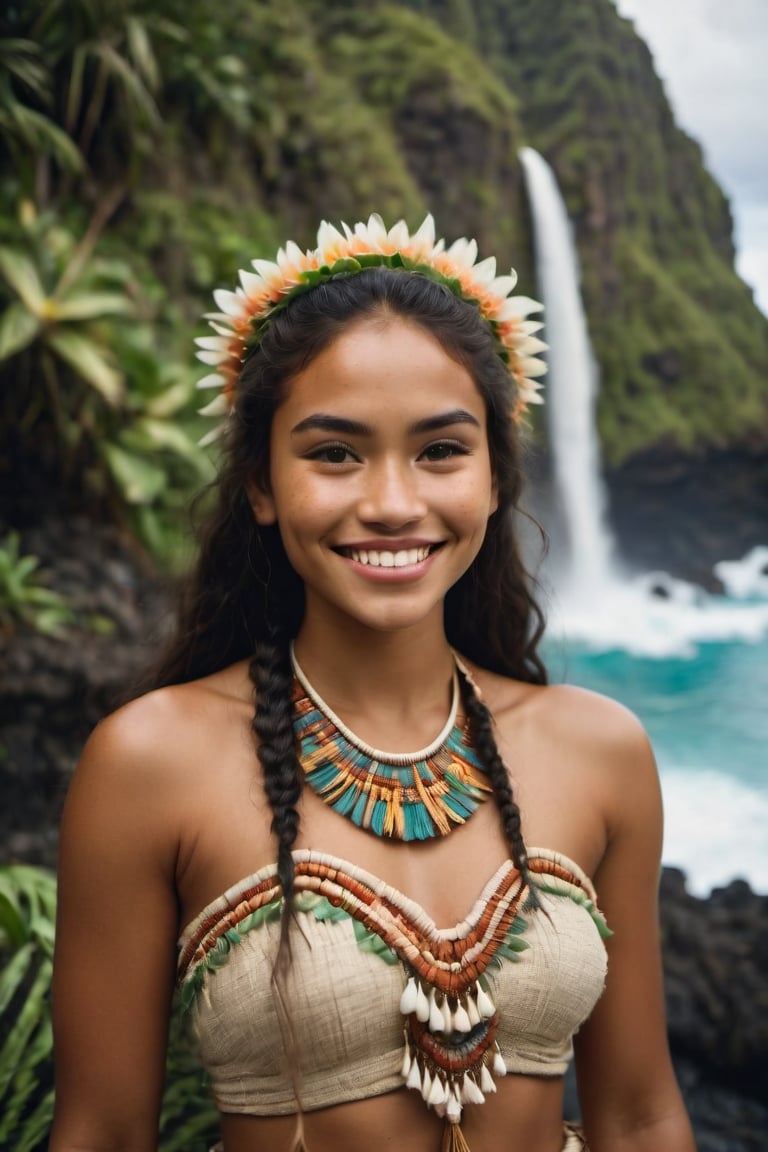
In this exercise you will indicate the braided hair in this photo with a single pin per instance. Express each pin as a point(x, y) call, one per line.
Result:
point(245, 601)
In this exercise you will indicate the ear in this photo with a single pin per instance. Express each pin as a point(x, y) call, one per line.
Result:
point(261, 502)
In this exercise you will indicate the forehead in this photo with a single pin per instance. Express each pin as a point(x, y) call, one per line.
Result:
point(383, 365)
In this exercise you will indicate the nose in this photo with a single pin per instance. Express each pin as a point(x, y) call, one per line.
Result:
point(392, 495)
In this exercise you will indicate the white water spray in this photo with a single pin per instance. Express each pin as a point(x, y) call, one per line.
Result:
point(650, 614)
point(571, 391)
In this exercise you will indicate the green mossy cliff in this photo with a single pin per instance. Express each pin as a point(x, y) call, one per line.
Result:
point(682, 348)
point(272, 115)
point(408, 107)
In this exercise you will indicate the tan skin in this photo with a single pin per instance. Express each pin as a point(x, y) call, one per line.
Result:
point(166, 808)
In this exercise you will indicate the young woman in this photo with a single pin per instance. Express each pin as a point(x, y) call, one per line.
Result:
point(372, 952)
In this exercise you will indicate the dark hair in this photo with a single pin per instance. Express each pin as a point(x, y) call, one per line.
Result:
point(245, 600)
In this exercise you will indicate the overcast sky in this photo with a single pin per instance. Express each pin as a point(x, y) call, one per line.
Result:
point(713, 59)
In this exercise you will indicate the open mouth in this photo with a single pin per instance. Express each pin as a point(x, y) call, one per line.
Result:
point(380, 558)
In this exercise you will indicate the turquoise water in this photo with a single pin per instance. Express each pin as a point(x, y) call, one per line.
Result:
point(707, 717)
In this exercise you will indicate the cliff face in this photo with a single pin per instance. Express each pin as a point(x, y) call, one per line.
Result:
point(682, 348)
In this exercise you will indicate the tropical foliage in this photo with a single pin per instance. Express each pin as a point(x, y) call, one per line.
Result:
point(27, 910)
point(188, 1121)
point(24, 598)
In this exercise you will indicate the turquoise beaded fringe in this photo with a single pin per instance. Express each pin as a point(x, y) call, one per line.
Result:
point(416, 800)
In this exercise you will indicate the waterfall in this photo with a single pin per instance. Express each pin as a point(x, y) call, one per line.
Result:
point(606, 609)
point(571, 389)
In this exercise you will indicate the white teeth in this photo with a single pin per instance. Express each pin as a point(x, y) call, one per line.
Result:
point(379, 559)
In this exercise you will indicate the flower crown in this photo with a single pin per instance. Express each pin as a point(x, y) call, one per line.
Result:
point(244, 314)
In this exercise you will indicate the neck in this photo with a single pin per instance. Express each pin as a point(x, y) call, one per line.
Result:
point(389, 665)
point(381, 682)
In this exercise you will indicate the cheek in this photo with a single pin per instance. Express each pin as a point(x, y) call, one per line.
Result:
point(475, 502)
point(304, 508)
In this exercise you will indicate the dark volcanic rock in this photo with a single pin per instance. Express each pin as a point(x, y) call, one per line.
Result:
point(715, 961)
point(683, 514)
point(53, 691)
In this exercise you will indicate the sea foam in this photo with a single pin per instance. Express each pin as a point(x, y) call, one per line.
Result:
point(715, 829)
point(655, 615)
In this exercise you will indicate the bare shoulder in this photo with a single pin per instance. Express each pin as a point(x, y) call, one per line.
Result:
point(559, 713)
point(142, 772)
point(574, 756)
point(169, 729)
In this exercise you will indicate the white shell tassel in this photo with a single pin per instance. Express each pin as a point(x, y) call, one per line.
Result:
point(436, 1021)
point(484, 1004)
point(470, 1092)
point(438, 1093)
point(499, 1067)
point(422, 1005)
point(409, 997)
point(447, 1016)
point(414, 1076)
point(472, 1012)
point(461, 1021)
point(426, 1084)
point(406, 1065)
point(486, 1080)
point(453, 1107)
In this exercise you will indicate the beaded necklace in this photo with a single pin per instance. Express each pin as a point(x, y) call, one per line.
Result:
point(402, 796)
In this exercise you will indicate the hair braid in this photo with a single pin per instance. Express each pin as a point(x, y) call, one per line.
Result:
point(485, 745)
point(272, 675)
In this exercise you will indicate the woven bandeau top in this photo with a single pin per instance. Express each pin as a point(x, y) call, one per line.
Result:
point(355, 943)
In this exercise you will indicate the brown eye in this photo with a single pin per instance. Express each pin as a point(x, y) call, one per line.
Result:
point(333, 454)
point(444, 450)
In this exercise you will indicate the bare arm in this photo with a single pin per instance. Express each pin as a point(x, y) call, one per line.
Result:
point(115, 942)
point(629, 1096)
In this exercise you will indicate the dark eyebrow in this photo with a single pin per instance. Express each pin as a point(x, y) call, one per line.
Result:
point(444, 420)
point(321, 421)
point(324, 423)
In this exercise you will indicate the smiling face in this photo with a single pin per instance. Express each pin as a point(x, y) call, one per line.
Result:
point(380, 476)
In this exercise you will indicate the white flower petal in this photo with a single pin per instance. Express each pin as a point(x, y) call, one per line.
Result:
point(399, 236)
point(293, 254)
point(220, 327)
point(528, 327)
point(219, 406)
point(253, 284)
point(463, 252)
point(213, 343)
point(529, 366)
point(212, 380)
point(529, 346)
point(426, 232)
point(485, 271)
point(376, 229)
point(230, 303)
point(268, 270)
point(330, 237)
point(503, 285)
point(516, 307)
point(212, 357)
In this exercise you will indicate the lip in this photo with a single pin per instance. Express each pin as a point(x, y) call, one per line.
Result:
point(387, 544)
point(389, 573)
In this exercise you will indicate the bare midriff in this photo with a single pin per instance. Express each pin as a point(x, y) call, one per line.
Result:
point(525, 1115)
